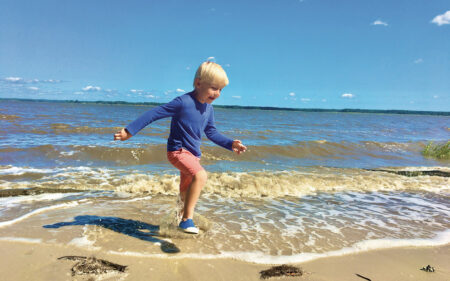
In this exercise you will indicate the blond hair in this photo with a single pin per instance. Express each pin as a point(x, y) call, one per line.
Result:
point(211, 72)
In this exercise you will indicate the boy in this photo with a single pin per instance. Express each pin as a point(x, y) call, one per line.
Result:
point(191, 114)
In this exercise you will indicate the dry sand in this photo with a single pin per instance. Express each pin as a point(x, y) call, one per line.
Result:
point(39, 261)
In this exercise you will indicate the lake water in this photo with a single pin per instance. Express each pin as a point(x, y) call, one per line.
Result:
point(311, 184)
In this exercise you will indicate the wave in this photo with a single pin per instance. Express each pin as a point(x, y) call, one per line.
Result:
point(148, 154)
point(441, 238)
point(65, 128)
point(257, 184)
point(9, 117)
point(38, 211)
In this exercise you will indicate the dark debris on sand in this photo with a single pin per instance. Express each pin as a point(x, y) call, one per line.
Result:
point(436, 173)
point(92, 265)
point(34, 191)
point(428, 268)
point(282, 270)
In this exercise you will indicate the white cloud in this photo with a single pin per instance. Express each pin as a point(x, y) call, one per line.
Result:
point(379, 22)
point(14, 79)
point(442, 19)
point(435, 96)
point(47, 81)
point(92, 89)
point(150, 96)
point(236, 97)
point(134, 91)
point(188, 68)
point(20, 80)
point(33, 88)
point(305, 99)
point(324, 100)
point(419, 60)
point(348, 95)
point(227, 65)
point(213, 59)
point(292, 94)
point(78, 93)
point(180, 91)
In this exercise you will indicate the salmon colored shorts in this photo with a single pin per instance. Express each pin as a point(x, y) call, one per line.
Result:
point(187, 163)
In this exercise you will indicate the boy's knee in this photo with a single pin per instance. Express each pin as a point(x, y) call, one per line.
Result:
point(201, 176)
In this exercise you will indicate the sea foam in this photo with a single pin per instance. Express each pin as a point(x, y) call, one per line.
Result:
point(38, 211)
point(440, 239)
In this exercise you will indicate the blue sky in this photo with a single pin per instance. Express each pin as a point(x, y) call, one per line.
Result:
point(308, 54)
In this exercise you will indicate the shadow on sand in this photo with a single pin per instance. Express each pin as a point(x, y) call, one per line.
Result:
point(136, 229)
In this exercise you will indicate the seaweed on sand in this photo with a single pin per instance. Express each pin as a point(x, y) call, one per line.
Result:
point(436, 173)
point(93, 265)
point(428, 268)
point(34, 191)
point(282, 270)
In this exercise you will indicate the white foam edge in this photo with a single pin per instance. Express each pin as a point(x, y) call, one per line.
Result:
point(21, 239)
point(133, 199)
point(38, 211)
point(83, 242)
point(14, 170)
point(442, 238)
point(29, 198)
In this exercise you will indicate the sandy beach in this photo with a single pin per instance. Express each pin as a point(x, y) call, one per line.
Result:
point(28, 260)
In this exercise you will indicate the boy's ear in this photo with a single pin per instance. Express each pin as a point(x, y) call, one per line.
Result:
point(197, 82)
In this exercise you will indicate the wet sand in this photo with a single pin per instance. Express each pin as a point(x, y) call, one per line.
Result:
point(39, 261)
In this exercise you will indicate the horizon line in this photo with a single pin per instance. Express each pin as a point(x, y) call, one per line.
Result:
point(345, 110)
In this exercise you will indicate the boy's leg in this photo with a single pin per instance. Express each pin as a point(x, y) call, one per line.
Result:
point(193, 193)
point(185, 182)
point(183, 196)
point(192, 178)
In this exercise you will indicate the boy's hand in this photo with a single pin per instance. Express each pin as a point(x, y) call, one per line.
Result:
point(122, 135)
point(238, 147)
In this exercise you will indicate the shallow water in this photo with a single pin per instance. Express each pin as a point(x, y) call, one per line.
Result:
point(307, 187)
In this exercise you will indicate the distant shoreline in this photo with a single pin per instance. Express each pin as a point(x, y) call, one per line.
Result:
point(345, 110)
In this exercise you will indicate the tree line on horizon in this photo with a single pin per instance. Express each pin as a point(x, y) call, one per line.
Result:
point(345, 110)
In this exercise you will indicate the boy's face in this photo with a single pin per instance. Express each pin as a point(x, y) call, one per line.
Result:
point(207, 92)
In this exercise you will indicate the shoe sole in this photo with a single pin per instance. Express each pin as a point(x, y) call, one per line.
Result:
point(190, 230)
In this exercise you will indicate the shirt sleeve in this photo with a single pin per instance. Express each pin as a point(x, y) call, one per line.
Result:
point(162, 111)
point(216, 137)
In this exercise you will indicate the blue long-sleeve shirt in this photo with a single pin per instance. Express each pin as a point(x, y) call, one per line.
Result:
point(189, 119)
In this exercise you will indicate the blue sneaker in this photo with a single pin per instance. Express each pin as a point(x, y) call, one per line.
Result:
point(188, 226)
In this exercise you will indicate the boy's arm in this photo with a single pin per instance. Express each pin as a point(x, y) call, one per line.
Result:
point(162, 111)
point(221, 140)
